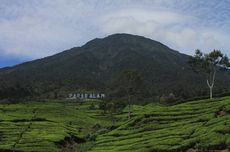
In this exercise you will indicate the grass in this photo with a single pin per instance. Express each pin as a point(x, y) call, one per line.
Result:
point(41, 126)
point(153, 127)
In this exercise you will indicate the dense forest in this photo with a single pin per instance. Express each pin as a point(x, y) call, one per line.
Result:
point(99, 65)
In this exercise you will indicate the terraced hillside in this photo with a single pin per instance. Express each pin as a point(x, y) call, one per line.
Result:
point(57, 125)
point(199, 126)
point(43, 126)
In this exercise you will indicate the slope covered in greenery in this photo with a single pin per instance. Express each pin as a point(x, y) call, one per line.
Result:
point(98, 64)
point(52, 126)
point(200, 125)
point(42, 126)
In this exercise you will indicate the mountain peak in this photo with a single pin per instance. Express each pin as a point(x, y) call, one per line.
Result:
point(119, 39)
point(127, 35)
point(122, 36)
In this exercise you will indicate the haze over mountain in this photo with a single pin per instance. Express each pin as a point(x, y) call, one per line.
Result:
point(98, 64)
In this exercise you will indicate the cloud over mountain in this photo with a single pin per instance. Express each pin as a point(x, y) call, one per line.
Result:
point(37, 28)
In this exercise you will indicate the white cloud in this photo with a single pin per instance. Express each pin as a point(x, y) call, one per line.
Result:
point(170, 28)
point(37, 28)
point(42, 30)
point(28, 37)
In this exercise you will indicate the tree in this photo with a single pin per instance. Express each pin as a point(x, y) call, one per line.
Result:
point(132, 84)
point(209, 63)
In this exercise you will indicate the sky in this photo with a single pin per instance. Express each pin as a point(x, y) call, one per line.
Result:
point(32, 29)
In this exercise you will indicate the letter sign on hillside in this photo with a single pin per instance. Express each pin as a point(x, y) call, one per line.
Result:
point(86, 95)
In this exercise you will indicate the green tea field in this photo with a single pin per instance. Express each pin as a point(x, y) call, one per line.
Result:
point(42, 126)
point(202, 125)
point(194, 126)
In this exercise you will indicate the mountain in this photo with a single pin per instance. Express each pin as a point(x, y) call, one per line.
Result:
point(98, 64)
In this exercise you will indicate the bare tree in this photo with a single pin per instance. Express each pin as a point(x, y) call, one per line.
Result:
point(209, 63)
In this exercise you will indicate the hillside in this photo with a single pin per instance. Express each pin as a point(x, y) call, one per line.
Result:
point(98, 64)
point(196, 126)
point(199, 125)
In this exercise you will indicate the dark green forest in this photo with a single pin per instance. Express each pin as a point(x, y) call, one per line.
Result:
point(99, 64)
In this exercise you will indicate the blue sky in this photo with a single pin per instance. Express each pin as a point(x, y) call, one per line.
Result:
point(31, 29)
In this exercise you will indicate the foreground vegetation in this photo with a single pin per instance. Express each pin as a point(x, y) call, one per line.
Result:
point(199, 125)
point(69, 126)
point(42, 126)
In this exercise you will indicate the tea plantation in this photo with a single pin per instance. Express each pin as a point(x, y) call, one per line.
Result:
point(42, 126)
point(202, 125)
point(194, 126)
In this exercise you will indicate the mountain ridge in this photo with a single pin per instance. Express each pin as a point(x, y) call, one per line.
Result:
point(98, 64)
